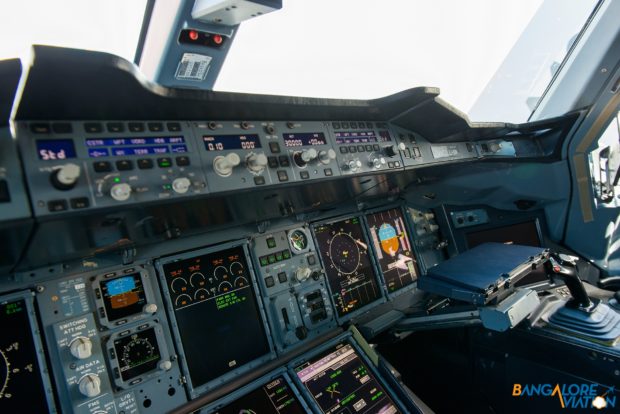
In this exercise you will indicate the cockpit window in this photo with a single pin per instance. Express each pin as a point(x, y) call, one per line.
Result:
point(111, 26)
point(492, 60)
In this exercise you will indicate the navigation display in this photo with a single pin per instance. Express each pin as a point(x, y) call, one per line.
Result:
point(137, 353)
point(340, 382)
point(123, 296)
point(302, 140)
point(349, 271)
point(274, 397)
point(217, 313)
point(231, 142)
point(121, 147)
point(21, 386)
point(392, 248)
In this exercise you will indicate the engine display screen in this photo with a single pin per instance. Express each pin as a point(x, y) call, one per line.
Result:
point(349, 271)
point(122, 147)
point(137, 353)
point(231, 142)
point(274, 397)
point(55, 149)
point(302, 140)
point(123, 296)
point(20, 379)
point(341, 382)
point(392, 248)
point(217, 313)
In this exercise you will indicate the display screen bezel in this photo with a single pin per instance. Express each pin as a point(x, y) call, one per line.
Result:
point(196, 390)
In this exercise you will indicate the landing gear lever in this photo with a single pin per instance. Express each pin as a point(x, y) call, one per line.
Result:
point(565, 267)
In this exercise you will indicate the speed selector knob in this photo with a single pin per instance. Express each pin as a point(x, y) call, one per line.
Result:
point(392, 150)
point(181, 185)
point(65, 177)
point(81, 347)
point(327, 156)
point(302, 273)
point(354, 165)
point(223, 165)
point(90, 385)
point(120, 191)
point(256, 162)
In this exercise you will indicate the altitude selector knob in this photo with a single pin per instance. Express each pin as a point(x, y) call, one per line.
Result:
point(120, 191)
point(304, 157)
point(256, 163)
point(90, 385)
point(223, 165)
point(353, 165)
point(327, 156)
point(392, 150)
point(81, 347)
point(65, 177)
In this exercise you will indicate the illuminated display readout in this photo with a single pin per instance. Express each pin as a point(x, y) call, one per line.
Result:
point(392, 248)
point(213, 293)
point(231, 142)
point(302, 140)
point(123, 296)
point(275, 397)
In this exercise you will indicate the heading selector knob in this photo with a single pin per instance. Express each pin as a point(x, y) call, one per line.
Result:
point(256, 162)
point(223, 165)
point(81, 347)
point(376, 162)
point(65, 177)
point(392, 150)
point(90, 385)
point(327, 156)
point(120, 191)
point(181, 185)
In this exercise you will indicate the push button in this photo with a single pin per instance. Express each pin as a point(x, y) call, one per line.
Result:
point(173, 126)
point(164, 162)
point(124, 165)
point(311, 260)
point(182, 161)
point(93, 127)
point(102, 166)
point(145, 163)
point(272, 162)
point(282, 277)
point(269, 282)
point(360, 148)
point(304, 175)
point(156, 126)
point(274, 147)
point(328, 172)
point(344, 150)
point(57, 205)
point(260, 180)
point(282, 176)
point(135, 126)
point(352, 149)
point(115, 127)
point(80, 202)
point(284, 160)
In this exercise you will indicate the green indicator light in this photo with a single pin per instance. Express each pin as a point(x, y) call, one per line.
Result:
point(272, 258)
point(117, 180)
point(264, 261)
point(279, 257)
point(286, 254)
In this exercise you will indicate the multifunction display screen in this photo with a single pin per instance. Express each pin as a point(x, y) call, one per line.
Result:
point(217, 313)
point(137, 353)
point(123, 296)
point(392, 248)
point(21, 387)
point(121, 147)
point(231, 142)
point(344, 250)
point(274, 397)
point(55, 149)
point(302, 140)
point(341, 382)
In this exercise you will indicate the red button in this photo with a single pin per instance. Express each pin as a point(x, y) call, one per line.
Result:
point(193, 35)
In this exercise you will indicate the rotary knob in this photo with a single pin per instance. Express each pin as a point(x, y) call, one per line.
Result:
point(223, 165)
point(302, 273)
point(181, 185)
point(353, 165)
point(120, 191)
point(90, 385)
point(327, 156)
point(304, 157)
point(65, 177)
point(376, 162)
point(150, 308)
point(256, 163)
point(81, 347)
point(392, 150)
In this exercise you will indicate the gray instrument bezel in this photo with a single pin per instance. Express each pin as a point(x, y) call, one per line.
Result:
point(195, 391)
